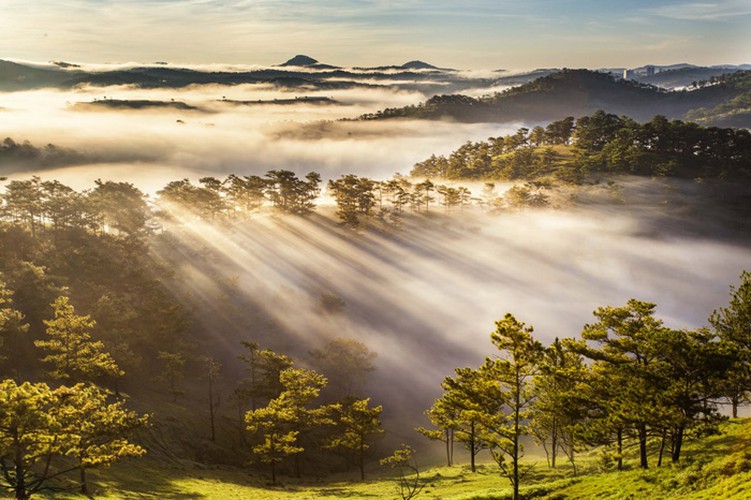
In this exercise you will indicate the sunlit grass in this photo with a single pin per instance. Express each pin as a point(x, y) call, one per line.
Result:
point(712, 468)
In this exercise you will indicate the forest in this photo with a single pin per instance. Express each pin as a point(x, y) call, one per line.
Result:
point(96, 343)
point(570, 149)
point(720, 100)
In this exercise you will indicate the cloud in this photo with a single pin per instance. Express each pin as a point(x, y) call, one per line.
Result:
point(481, 34)
point(229, 138)
point(704, 11)
point(425, 297)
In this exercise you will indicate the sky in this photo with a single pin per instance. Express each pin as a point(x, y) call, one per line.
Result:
point(479, 34)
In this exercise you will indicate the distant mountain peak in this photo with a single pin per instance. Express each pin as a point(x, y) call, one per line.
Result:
point(418, 65)
point(300, 60)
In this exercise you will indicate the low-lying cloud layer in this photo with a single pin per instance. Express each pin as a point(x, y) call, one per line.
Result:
point(425, 296)
point(226, 137)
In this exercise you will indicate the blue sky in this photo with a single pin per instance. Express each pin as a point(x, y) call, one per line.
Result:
point(487, 34)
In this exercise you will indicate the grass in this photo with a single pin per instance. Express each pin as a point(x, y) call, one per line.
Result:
point(712, 468)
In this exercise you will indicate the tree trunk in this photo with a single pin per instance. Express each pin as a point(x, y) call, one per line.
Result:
point(619, 435)
point(448, 451)
point(662, 447)
point(572, 458)
point(211, 410)
point(643, 446)
point(734, 402)
point(554, 442)
point(273, 472)
point(362, 456)
point(241, 420)
point(677, 443)
point(516, 434)
point(84, 486)
point(297, 465)
point(472, 446)
point(20, 488)
point(451, 449)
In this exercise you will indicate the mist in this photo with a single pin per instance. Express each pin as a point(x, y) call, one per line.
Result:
point(425, 296)
point(229, 132)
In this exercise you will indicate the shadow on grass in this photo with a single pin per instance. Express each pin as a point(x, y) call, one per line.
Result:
point(141, 480)
point(155, 479)
point(343, 493)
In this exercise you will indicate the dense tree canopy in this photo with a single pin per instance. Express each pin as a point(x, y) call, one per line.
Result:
point(569, 149)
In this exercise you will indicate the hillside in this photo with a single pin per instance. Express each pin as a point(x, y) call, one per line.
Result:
point(14, 76)
point(120, 104)
point(685, 76)
point(568, 93)
point(715, 467)
point(733, 112)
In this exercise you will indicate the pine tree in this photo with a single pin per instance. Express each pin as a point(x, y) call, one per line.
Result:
point(212, 374)
point(443, 417)
point(300, 388)
point(358, 423)
point(513, 371)
point(11, 321)
point(71, 350)
point(464, 405)
point(173, 372)
point(96, 431)
point(733, 325)
point(274, 423)
point(345, 363)
point(28, 436)
point(288, 417)
point(557, 408)
point(626, 345)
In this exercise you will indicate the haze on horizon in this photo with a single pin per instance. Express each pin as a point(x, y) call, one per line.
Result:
point(479, 34)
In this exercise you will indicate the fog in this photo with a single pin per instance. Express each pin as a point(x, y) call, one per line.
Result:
point(222, 137)
point(423, 296)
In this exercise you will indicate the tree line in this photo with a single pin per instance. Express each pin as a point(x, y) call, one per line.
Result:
point(629, 380)
point(565, 150)
point(50, 208)
point(570, 149)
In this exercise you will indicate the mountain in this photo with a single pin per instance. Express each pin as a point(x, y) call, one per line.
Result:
point(300, 60)
point(15, 76)
point(304, 61)
point(417, 65)
point(568, 93)
point(294, 73)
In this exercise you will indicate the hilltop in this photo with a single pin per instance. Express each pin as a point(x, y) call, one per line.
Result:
point(571, 93)
point(300, 60)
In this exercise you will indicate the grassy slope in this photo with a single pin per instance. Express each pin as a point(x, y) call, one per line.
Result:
point(715, 467)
